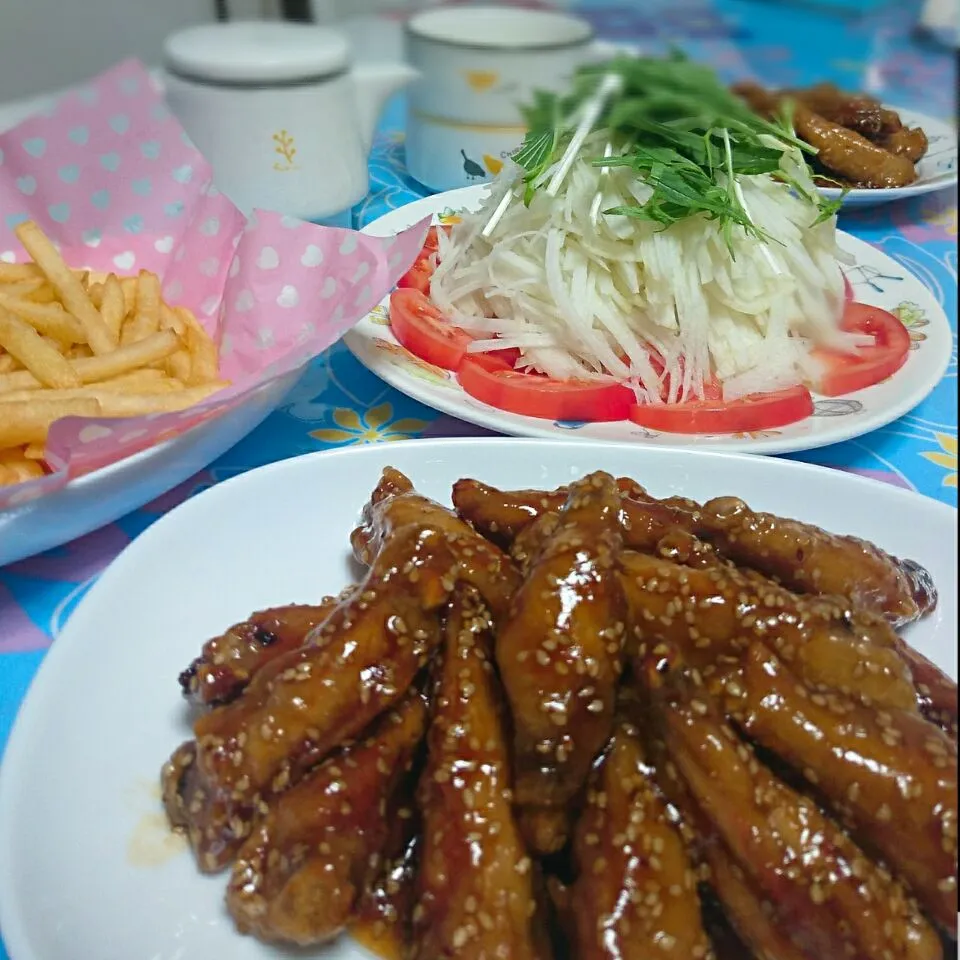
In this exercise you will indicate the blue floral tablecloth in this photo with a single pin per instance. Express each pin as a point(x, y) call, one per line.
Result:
point(337, 402)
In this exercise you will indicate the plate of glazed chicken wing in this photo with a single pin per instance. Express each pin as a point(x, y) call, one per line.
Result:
point(866, 152)
point(512, 699)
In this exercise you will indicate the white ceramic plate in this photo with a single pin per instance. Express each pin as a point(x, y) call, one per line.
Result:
point(88, 870)
point(876, 278)
point(936, 171)
point(99, 498)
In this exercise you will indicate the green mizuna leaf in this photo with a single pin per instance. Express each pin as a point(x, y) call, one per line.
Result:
point(680, 128)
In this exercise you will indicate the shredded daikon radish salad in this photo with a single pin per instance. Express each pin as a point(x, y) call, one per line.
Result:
point(686, 245)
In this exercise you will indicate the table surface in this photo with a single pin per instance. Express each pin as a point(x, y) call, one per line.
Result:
point(337, 402)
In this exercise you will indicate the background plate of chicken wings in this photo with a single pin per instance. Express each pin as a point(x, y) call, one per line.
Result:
point(935, 171)
point(555, 649)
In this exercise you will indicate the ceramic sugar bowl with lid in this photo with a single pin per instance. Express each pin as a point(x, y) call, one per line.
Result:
point(279, 112)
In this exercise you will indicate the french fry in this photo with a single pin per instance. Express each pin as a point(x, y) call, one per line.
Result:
point(23, 288)
point(16, 467)
point(49, 319)
point(8, 363)
point(68, 286)
point(137, 355)
point(98, 391)
point(146, 320)
point(170, 319)
point(29, 420)
point(180, 365)
point(15, 272)
point(158, 346)
point(41, 359)
point(138, 405)
point(95, 293)
point(34, 451)
point(129, 287)
point(204, 361)
point(113, 305)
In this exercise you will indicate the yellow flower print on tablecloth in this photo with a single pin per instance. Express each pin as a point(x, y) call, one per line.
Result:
point(373, 426)
point(945, 457)
point(940, 215)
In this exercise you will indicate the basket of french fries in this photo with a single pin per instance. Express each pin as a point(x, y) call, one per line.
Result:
point(136, 301)
point(74, 344)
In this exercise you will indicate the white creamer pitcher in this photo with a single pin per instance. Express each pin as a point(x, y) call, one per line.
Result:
point(277, 110)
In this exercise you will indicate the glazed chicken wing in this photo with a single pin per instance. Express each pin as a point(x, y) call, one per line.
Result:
point(807, 559)
point(635, 897)
point(475, 895)
point(384, 916)
point(498, 515)
point(909, 142)
point(713, 611)
point(799, 555)
point(395, 505)
point(891, 775)
point(936, 692)
point(299, 876)
point(844, 152)
point(560, 650)
point(227, 663)
point(304, 704)
point(856, 112)
point(823, 892)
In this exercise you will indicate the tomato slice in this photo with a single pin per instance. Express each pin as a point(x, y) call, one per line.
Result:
point(424, 331)
point(761, 411)
point(712, 388)
point(845, 372)
point(492, 380)
point(432, 243)
point(418, 276)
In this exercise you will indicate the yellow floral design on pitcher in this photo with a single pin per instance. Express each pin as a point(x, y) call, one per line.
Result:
point(374, 426)
point(945, 457)
point(286, 147)
point(480, 81)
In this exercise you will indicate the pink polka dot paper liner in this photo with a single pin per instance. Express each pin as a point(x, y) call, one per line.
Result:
point(112, 178)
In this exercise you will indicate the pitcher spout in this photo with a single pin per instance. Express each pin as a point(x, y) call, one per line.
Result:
point(375, 83)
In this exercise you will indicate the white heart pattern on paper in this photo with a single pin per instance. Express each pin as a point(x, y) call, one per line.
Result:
point(244, 301)
point(288, 296)
point(8, 256)
point(173, 290)
point(362, 270)
point(269, 259)
point(209, 266)
point(91, 238)
point(209, 306)
point(329, 288)
point(235, 267)
point(349, 244)
point(125, 261)
point(312, 256)
point(93, 432)
point(163, 244)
